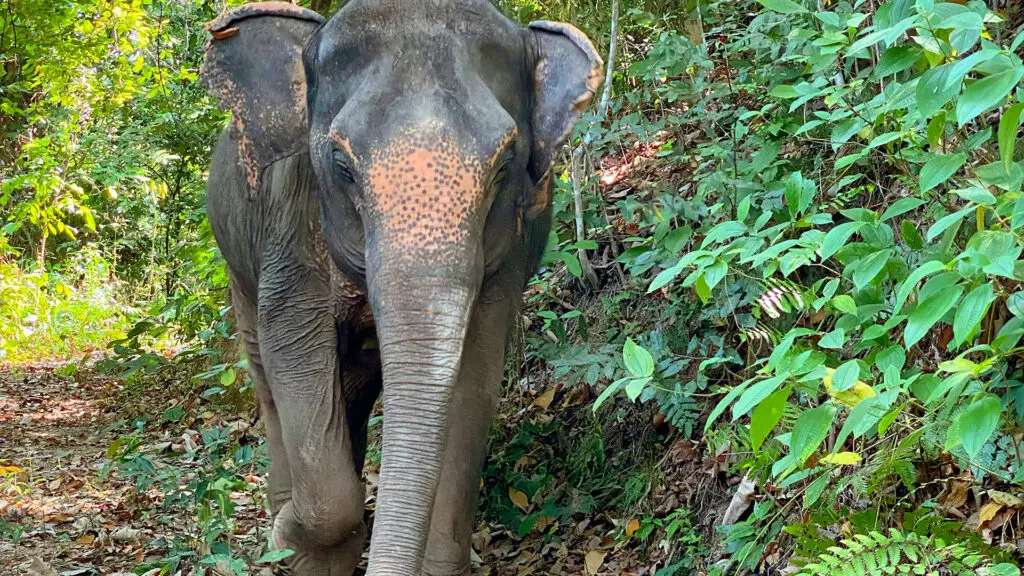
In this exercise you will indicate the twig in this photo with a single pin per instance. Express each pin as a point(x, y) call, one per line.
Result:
point(576, 158)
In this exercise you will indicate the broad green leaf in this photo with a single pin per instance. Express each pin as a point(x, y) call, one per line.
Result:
point(977, 195)
point(962, 67)
point(869, 267)
point(1002, 569)
point(664, 277)
point(275, 555)
point(987, 93)
point(845, 303)
point(932, 90)
point(783, 6)
point(756, 393)
point(227, 377)
point(724, 403)
point(1009, 123)
point(845, 376)
point(971, 312)
point(884, 139)
point(607, 392)
point(911, 236)
point(946, 221)
point(637, 359)
point(844, 130)
point(713, 274)
point(939, 169)
point(895, 60)
point(901, 206)
point(766, 416)
point(862, 418)
point(833, 340)
point(1001, 248)
point(977, 423)
point(1016, 304)
point(926, 269)
point(996, 174)
point(815, 490)
point(724, 231)
point(635, 386)
point(928, 312)
point(810, 430)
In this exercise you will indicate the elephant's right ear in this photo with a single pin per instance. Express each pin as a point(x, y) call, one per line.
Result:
point(253, 66)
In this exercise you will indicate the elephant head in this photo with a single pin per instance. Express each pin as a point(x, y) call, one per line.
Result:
point(431, 126)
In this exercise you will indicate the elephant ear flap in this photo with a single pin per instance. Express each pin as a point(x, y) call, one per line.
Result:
point(253, 67)
point(567, 73)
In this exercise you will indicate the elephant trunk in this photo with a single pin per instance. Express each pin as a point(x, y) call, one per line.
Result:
point(421, 325)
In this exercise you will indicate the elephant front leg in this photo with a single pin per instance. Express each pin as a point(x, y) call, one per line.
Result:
point(322, 521)
point(475, 403)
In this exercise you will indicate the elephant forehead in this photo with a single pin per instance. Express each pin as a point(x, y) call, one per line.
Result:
point(424, 189)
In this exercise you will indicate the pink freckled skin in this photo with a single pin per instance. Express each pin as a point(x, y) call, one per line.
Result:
point(424, 190)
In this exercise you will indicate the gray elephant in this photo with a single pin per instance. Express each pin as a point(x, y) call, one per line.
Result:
point(381, 198)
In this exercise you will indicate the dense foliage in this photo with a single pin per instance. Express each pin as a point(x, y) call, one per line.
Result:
point(802, 237)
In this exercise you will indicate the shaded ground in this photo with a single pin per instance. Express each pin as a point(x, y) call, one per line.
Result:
point(84, 491)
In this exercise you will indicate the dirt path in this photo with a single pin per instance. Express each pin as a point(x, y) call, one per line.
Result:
point(69, 503)
point(99, 478)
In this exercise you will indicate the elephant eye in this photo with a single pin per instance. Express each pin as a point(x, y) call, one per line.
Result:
point(342, 171)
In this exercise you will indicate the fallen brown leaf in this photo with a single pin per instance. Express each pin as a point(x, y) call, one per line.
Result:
point(594, 560)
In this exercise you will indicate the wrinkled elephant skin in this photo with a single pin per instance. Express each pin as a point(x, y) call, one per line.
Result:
point(381, 198)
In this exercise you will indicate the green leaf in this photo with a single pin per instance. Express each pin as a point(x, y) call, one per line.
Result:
point(928, 312)
point(724, 231)
point(810, 430)
point(724, 403)
point(845, 376)
point(987, 93)
point(896, 59)
point(935, 88)
point(901, 206)
point(664, 277)
point(977, 423)
point(713, 274)
point(838, 236)
point(999, 247)
point(275, 555)
point(845, 303)
point(1009, 123)
point(756, 393)
point(1005, 568)
point(635, 386)
point(638, 360)
point(977, 195)
point(227, 377)
point(783, 6)
point(766, 416)
point(971, 312)
point(939, 169)
point(834, 340)
point(869, 267)
point(946, 221)
point(911, 236)
point(572, 263)
point(607, 392)
point(814, 490)
point(861, 419)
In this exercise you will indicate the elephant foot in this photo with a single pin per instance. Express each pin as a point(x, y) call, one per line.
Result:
point(315, 556)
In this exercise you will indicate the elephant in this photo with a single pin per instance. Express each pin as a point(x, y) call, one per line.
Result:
point(381, 196)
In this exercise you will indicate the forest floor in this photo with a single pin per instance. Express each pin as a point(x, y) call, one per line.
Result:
point(87, 489)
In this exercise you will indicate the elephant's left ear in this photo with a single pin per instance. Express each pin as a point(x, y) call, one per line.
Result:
point(567, 73)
